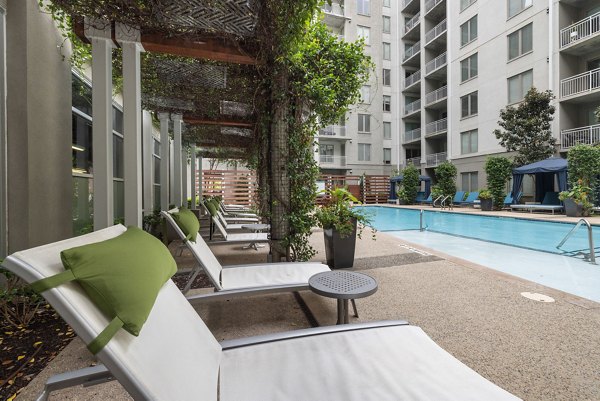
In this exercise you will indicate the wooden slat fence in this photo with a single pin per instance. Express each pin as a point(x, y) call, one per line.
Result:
point(367, 188)
point(236, 187)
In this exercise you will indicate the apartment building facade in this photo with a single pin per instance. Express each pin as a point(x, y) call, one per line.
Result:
point(445, 69)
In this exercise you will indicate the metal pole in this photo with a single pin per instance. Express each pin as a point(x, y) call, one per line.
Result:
point(421, 220)
point(591, 239)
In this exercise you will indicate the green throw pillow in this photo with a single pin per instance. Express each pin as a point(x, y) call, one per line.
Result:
point(212, 208)
point(188, 222)
point(122, 276)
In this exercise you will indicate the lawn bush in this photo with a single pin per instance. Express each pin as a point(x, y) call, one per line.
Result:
point(499, 171)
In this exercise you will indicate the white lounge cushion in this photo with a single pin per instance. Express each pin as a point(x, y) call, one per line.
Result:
point(269, 274)
point(384, 364)
point(242, 237)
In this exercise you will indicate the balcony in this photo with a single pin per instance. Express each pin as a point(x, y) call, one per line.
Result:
point(415, 161)
point(581, 37)
point(586, 84)
point(409, 6)
point(431, 5)
point(412, 80)
point(435, 159)
point(584, 135)
point(436, 64)
point(333, 132)
point(436, 128)
point(413, 107)
point(436, 32)
point(411, 52)
point(436, 96)
point(412, 135)
point(412, 23)
point(334, 15)
point(329, 161)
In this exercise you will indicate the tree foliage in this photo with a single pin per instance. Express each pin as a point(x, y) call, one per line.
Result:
point(445, 175)
point(410, 183)
point(584, 167)
point(527, 128)
point(498, 170)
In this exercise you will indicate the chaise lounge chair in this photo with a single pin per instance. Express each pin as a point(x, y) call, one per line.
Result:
point(175, 357)
point(509, 200)
point(458, 197)
point(242, 280)
point(470, 201)
point(550, 203)
point(427, 201)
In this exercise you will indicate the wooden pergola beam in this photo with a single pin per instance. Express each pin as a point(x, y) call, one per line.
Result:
point(217, 49)
point(221, 122)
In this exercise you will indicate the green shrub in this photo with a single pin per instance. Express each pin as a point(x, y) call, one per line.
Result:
point(410, 182)
point(499, 171)
point(18, 303)
point(445, 174)
point(584, 166)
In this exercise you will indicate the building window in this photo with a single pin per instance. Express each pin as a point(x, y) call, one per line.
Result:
point(156, 168)
point(387, 51)
point(363, 7)
point(465, 3)
point(468, 105)
point(365, 94)
point(468, 31)
point(364, 123)
point(387, 156)
point(468, 68)
point(363, 32)
point(387, 130)
point(387, 24)
point(387, 77)
point(516, 6)
point(326, 153)
point(519, 85)
point(387, 103)
point(386, 3)
point(364, 152)
point(469, 181)
point(520, 42)
point(468, 142)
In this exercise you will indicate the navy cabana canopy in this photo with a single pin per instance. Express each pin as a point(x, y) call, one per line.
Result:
point(399, 178)
point(544, 172)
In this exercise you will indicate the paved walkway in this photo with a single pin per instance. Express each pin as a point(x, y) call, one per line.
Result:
point(538, 351)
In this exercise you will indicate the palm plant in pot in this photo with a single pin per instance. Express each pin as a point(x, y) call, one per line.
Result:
point(341, 225)
point(486, 199)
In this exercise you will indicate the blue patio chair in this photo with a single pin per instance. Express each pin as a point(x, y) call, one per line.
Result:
point(551, 198)
point(420, 197)
point(458, 197)
point(509, 200)
point(470, 199)
point(428, 201)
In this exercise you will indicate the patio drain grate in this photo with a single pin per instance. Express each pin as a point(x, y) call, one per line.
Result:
point(537, 297)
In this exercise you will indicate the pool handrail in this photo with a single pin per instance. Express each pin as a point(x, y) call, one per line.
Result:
point(437, 199)
point(590, 238)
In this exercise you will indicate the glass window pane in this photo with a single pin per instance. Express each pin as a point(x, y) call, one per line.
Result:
point(464, 143)
point(156, 147)
point(82, 205)
point(117, 157)
point(386, 24)
point(527, 82)
point(464, 101)
point(464, 70)
point(474, 182)
point(514, 6)
point(474, 105)
point(82, 145)
point(119, 200)
point(464, 34)
point(157, 197)
point(387, 130)
point(513, 45)
point(473, 28)
point(514, 92)
point(473, 66)
point(117, 120)
point(156, 162)
point(527, 39)
point(82, 95)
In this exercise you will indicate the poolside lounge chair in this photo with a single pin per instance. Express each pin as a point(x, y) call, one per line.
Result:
point(244, 279)
point(230, 223)
point(420, 197)
point(175, 356)
point(458, 197)
point(428, 201)
point(550, 203)
point(470, 201)
point(509, 200)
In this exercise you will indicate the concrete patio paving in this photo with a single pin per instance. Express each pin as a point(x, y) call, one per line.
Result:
point(537, 351)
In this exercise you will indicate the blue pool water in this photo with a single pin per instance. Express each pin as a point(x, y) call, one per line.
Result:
point(530, 234)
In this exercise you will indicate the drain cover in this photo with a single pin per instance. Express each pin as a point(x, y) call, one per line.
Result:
point(537, 297)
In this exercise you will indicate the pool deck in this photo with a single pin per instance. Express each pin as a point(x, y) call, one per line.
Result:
point(536, 350)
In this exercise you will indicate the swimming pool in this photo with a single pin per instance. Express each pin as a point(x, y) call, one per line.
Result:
point(523, 233)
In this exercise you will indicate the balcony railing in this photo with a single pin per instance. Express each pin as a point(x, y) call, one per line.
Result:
point(412, 22)
point(413, 50)
point(406, 3)
point(332, 160)
point(436, 127)
point(430, 4)
point(334, 8)
point(435, 32)
point(415, 161)
point(412, 135)
point(436, 95)
point(585, 135)
point(578, 84)
point(333, 130)
point(436, 63)
point(436, 159)
point(412, 79)
point(580, 30)
point(412, 107)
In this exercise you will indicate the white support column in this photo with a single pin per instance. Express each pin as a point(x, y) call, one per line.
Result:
point(99, 33)
point(129, 38)
point(184, 175)
point(193, 191)
point(199, 168)
point(164, 160)
point(177, 176)
point(148, 162)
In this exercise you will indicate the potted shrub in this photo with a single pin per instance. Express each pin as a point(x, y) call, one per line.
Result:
point(576, 200)
point(486, 198)
point(402, 195)
point(341, 224)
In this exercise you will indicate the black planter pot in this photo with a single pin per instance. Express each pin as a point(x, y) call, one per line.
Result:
point(573, 209)
point(339, 251)
point(486, 205)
